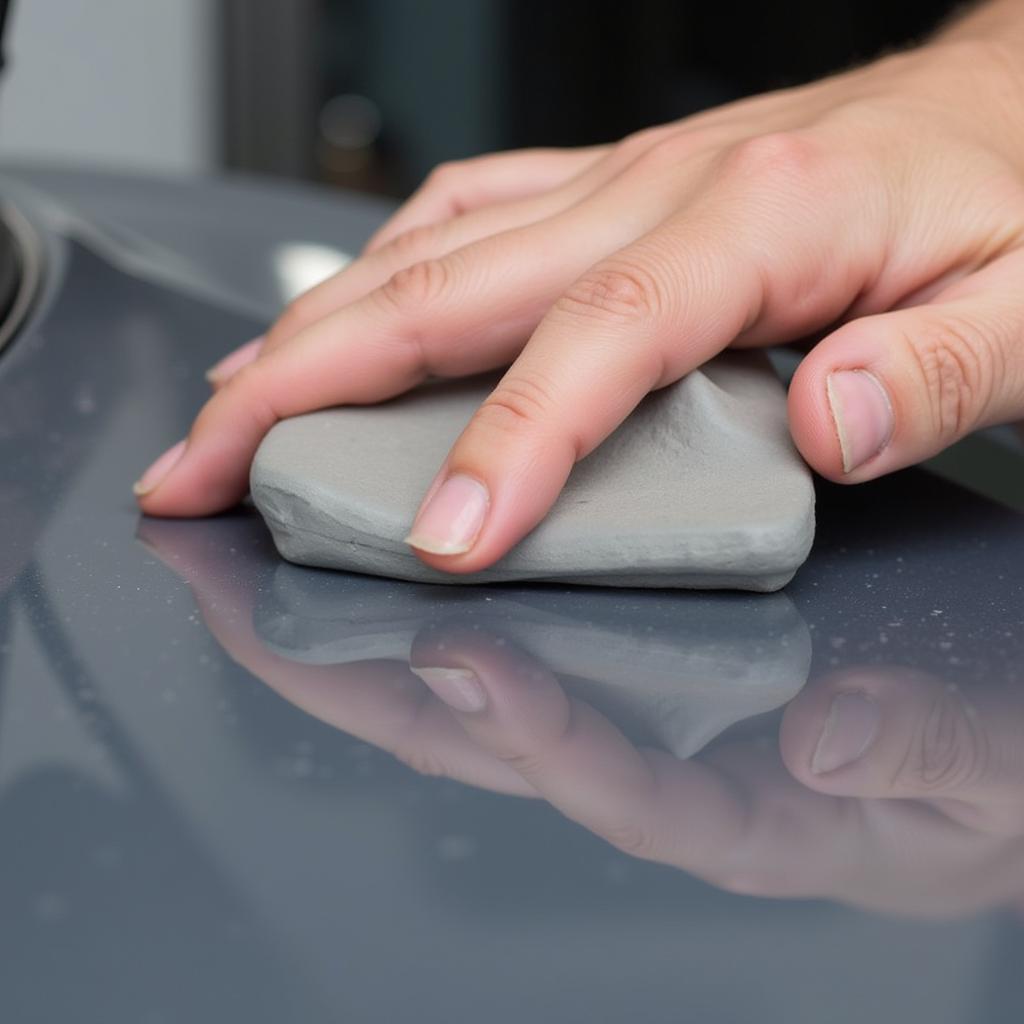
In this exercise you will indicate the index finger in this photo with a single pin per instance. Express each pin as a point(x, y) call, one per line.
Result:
point(742, 262)
point(578, 760)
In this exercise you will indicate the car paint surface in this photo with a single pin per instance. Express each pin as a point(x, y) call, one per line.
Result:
point(225, 797)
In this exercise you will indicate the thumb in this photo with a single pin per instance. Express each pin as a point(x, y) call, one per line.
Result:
point(892, 732)
point(891, 390)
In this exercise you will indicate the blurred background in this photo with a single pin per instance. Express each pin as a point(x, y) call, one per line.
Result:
point(370, 94)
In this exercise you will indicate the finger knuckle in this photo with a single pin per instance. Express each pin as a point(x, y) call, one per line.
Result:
point(446, 175)
point(247, 390)
point(527, 763)
point(777, 160)
point(625, 293)
point(632, 838)
point(954, 367)
point(519, 403)
point(413, 244)
point(949, 750)
point(413, 289)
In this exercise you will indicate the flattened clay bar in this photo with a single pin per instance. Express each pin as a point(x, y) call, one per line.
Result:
point(701, 487)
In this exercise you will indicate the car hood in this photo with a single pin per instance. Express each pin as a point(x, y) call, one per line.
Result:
point(224, 796)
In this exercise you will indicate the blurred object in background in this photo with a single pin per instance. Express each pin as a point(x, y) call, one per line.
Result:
point(120, 83)
point(370, 94)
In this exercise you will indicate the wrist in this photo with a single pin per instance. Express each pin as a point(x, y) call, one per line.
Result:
point(989, 39)
point(977, 79)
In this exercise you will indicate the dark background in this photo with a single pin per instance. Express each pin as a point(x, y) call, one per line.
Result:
point(370, 94)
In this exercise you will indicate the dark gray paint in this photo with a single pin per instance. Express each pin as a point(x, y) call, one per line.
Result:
point(270, 84)
point(181, 842)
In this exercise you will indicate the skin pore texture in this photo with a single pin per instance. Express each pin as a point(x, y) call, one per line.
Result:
point(880, 211)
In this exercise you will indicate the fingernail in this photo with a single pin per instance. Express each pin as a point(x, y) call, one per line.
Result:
point(850, 729)
point(234, 361)
point(862, 413)
point(154, 476)
point(459, 688)
point(450, 522)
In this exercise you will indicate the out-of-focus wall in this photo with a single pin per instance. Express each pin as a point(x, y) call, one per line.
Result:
point(122, 83)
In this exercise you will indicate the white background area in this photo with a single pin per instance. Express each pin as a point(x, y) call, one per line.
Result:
point(112, 83)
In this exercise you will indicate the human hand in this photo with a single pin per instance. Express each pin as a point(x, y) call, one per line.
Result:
point(887, 788)
point(914, 807)
point(380, 700)
point(889, 199)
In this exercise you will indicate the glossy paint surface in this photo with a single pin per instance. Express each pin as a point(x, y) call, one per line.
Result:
point(224, 796)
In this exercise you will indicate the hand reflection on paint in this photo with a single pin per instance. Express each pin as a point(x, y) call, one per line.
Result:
point(888, 789)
